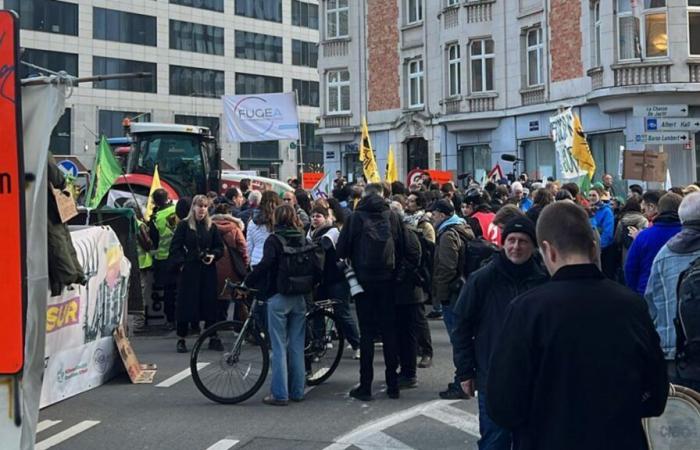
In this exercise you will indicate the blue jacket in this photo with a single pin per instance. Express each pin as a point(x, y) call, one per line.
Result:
point(525, 204)
point(645, 248)
point(604, 221)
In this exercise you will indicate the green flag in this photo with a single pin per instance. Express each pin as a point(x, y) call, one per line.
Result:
point(104, 174)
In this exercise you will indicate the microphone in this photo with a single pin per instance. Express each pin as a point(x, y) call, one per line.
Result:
point(510, 158)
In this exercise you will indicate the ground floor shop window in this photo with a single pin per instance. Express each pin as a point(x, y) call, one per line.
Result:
point(606, 150)
point(540, 159)
point(474, 160)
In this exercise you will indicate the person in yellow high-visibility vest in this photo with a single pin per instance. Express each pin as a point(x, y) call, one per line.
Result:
point(144, 245)
point(161, 229)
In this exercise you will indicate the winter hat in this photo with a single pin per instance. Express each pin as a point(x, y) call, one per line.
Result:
point(520, 225)
point(443, 206)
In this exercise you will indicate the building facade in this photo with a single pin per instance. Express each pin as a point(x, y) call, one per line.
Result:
point(196, 51)
point(455, 84)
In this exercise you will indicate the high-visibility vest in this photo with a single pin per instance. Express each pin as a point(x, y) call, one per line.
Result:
point(165, 232)
point(145, 258)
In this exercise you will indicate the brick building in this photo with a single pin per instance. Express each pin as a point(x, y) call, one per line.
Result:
point(454, 84)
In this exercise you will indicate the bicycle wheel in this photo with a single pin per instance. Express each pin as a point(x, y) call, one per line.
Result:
point(324, 346)
point(235, 372)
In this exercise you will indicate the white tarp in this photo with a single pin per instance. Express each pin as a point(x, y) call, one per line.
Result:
point(562, 126)
point(261, 117)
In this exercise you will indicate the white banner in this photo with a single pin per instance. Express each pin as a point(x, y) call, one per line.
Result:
point(261, 117)
point(79, 322)
point(562, 126)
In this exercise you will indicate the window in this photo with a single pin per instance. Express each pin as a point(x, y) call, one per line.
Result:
point(195, 37)
point(270, 10)
point(454, 63)
point(195, 82)
point(336, 18)
point(311, 147)
point(257, 84)
point(54, 61)
point(338, 91)
point(260, 150)
point(534, 57)
point(110, 122)
point(415, 83)
point(605, 149)
point(540, 159)
point(120, 26)
point(50, 16)
point(212, 5)
point(417, 153)
point(694, 27)
point(307, 92)
point(475, 160)
point(304, 14)
point(482, 57)
point(414, 11)
point(452, 2)
point(61, 135)
point(105, 66)
point(201, 121)
point(641, 28)
point(258, 47)
point(595, 35)
point(304, 53)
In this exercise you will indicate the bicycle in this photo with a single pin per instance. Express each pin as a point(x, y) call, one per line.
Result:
point(236, 372)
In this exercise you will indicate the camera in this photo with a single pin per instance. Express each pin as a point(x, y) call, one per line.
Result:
point(355, 288)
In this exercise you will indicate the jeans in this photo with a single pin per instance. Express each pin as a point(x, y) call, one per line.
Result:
point(341, 291)
point(287, 325)
point(448, 316)
point(493, 437)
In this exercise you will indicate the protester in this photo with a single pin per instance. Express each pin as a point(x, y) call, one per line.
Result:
point(261, 224)
point(161, 228)
point(235, 261)
point(479, 209)
point(649, 242)
point(631, 221)
point(650, 204)
point(505, 215)
point(578, 364)
point(542, 198)
point(603, 221)
point(251, 208)
point(608, 184)
point(235, 200)
point(290, 199)
point(480, 311)
point(195, 248)
point(519, 197)
point(373, 241)
point(675, 256)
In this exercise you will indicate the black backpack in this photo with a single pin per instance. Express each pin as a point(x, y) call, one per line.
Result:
point(423, 274)
point(377, 252)
point(300, 268)
point(478, 252)
point(687, 321)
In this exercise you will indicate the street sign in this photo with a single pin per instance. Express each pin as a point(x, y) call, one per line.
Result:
point(671, 124)
point(663, 137)
point(68, 167)
point(660, 111)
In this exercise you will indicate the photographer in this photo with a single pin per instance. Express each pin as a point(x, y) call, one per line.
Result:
point(195, 247)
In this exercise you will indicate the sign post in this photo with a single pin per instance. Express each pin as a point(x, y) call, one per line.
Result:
point(663, 137)
point(12, 228)
point(660, 110)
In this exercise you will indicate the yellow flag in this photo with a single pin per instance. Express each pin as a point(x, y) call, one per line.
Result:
point(155, 184)
point(580, 150)
point(392, 173)
point(369, 164)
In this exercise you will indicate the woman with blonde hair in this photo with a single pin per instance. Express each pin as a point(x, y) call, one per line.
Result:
point(195, 248)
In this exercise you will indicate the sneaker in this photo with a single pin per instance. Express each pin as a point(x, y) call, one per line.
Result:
point(361, 394)
point(356, 355)
point(453, 393)
point(407, 383)
point(434, 315)
point(425, 362)
point(270, 400)
point(181, 346)
point(215, 344)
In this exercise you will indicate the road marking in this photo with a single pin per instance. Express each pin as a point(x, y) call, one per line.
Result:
point(224, 444)
point(66, 434)
point(179, 376)
point(381, 440)
point(45, 424)
point(456, 418)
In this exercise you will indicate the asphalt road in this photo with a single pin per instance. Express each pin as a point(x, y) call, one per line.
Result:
point(121, 415)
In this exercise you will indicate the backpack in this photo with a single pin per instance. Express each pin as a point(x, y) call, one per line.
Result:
point(377, 252)
point(687, 321)
point(300, 268)
point(423, 274)
point(478, 253)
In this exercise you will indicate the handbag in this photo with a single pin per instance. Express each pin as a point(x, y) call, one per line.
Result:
point(65, 204)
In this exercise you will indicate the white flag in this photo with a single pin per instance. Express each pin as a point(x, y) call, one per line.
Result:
point(261, 117)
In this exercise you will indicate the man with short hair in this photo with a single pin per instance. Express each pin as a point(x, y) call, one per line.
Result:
point(249, 213)
point(235, 200)
point(480, 311)
point(661, 292)
point(650, 204)
point(578, 364)
point(290, 199)
point(608, 184)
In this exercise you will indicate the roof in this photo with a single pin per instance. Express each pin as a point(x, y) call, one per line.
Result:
point(152, 127)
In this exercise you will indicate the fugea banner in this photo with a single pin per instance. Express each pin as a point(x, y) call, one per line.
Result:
point(261, 117)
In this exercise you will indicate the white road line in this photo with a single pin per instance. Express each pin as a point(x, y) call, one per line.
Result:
point(224, 444)
point(45, 424)
point(382, 441)
point(179, 376)
point(449, 415)
point(66, 434)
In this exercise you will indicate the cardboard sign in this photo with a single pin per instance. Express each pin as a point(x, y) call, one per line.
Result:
point(645, 165)
point(138, 373)
point(12, 240)
point(311, 178)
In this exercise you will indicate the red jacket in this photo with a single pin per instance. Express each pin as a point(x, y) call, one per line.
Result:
point(231, 231)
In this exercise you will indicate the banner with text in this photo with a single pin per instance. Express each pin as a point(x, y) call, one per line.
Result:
point(562, 126)
point(261, 117)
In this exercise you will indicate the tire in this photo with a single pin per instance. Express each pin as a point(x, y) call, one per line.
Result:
point(220, 376)
point(323, 348)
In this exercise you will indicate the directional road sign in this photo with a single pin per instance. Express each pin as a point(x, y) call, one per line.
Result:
point(672, 124)
point(660, 111)
point(663, 137)
point(68, 167)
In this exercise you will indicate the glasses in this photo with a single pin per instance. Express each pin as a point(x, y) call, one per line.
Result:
point(286, 199)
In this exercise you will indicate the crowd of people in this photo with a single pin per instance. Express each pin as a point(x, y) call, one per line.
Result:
point(560, 304)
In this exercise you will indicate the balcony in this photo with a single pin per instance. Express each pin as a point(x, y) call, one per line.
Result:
point(450, 17)
point(479, 11)
point(336, 121)
point(630, 74)
point(452, 105)
point(694, 69)
point(482, 102)
point(596, 75)
point(532, 96)
point(336, 47)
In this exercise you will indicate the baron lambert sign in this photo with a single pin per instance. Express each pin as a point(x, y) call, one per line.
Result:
point(263, 117)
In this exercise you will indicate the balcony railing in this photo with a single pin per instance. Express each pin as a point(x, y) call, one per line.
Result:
point(450, 17)
point(452, 105)
point(596, 75)
point(482, 103)
point(336, 47)
point(694, 69)
point(642, 73)
point(479, 11)
point(532, 96)
point(336, 121)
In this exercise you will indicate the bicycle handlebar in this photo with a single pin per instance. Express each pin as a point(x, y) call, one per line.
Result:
point(238, 286)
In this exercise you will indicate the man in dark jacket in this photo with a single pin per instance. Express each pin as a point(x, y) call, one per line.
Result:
point(480, 311)
point(373, 241)
point(580, 364)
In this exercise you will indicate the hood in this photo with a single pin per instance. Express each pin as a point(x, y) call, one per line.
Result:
point(372, 204)
point(688, 240)
point(459, 225)
point(667, 218)
point(227, 221)
point(293, 235)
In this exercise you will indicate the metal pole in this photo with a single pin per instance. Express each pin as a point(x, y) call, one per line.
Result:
point(116, 76)
point(301, 151)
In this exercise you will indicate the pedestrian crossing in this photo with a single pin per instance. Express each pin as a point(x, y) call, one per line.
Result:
point(62, 436)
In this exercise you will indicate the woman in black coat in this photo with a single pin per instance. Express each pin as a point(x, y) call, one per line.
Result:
point(195, 247)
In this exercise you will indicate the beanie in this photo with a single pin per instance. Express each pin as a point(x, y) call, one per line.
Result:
point(520, 225)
